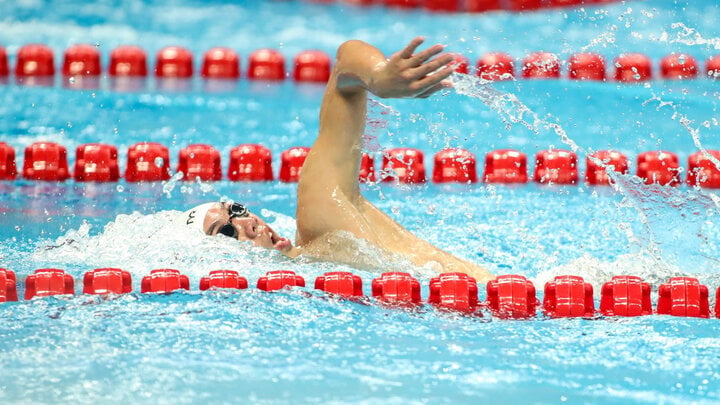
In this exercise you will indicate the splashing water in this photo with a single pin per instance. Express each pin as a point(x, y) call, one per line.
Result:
point(687, 36)
point(377, 121)
point(676, 222)
point(510, 109)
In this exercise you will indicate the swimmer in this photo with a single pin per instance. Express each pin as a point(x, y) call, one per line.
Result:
point(329, 202)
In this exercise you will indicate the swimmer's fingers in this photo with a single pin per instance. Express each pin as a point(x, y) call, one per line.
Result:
point(435, 64)
point(408, 58)
point(445, 84)
point(409, 49)
point(432, 80)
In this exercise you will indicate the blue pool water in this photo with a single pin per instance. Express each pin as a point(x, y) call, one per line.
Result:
point(301, 346)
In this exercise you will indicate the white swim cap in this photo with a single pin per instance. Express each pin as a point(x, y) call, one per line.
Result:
point(195, 217)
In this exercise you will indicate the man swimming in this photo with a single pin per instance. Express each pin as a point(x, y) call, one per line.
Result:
point(330, 208)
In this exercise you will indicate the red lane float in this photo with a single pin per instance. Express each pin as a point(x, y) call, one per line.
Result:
point(81, 60)
point(4, 70)
point(565, 3)
point(250, 162)
point(96, 162)
point(342, 283)
point(223, 279)
point(8, 286)
point(524, 5)
point(454, 165)
point(148, 161)
point(625, 296)
point(480, 6)
point(541, 65)
point(632, 67)
point(659, 167)
point(683, 296)
point(201, 162)
point(128, 60)
point(220, 63)
point(291, 162)
point(404, 165)
point(402, 3)
point(367, 169)
point(107, 281)
point(512, 296)
point(556, 166)
point(174, 62)
point(702, 171)
point(35, 60)
point(279, 279)
point(442, 5)
point(505, 166)
point(164, 281)
point(598, 164)
point(586, 66)
point(397, 289)
point(461, 63)
point(568, 296)
point(496, 66)
point(8, 170)
point(678, 66)
point(712, 67)
point(47, 282)
point(454, 291)
point(508, 296)
point(266, 64)
point(46, 161)
point(312, 66)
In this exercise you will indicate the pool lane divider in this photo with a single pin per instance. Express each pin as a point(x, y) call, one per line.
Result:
point(128, 67)
point(507, 297)
point(150, 161)
point(471, 6)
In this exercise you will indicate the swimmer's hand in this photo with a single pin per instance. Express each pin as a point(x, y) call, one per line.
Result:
point(412, 75)
point(284, 246)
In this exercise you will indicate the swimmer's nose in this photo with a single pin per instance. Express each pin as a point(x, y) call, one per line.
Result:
point(247, 226)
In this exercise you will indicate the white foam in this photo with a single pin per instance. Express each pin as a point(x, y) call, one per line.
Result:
point(139, 243)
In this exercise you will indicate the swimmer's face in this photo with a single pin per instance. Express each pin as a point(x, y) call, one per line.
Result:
point(247, 228)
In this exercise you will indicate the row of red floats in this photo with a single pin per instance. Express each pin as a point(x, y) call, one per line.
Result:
point(47, 161)
point(508, 296)
point(36, 60)
point(471, 6)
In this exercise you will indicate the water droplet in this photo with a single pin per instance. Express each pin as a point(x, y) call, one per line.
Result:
point(120, 188)
point(159, 162)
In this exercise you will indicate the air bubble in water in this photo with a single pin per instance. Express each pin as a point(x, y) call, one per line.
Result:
point(120, 188)
point(159, 162)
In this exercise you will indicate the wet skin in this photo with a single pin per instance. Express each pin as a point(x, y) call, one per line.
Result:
point(251, 228)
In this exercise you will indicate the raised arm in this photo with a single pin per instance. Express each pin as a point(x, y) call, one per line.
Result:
point(329, 198)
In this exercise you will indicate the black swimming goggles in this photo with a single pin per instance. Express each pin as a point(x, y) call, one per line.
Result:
point(235, 210)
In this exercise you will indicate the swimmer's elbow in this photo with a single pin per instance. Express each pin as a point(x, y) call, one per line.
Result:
point(351, 49)
point(354, 62)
